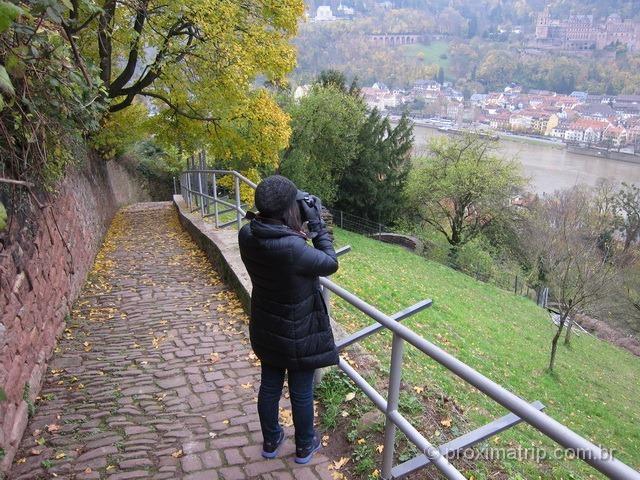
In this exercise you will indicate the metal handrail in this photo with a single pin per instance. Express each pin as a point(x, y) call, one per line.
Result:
point(585, 450)
point(521, 410)
point(202, 178)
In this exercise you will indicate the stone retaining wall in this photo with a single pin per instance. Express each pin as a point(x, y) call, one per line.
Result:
point(410, 243)
point(43, 265)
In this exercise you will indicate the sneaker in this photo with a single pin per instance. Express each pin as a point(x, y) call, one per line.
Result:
point(304, 455)
point(270, 449)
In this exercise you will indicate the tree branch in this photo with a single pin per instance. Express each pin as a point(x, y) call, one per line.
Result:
point(16, 182)
point(178, 110)
point(132, 61)
point(76, 54)
point(155, 70)
point(105, 30)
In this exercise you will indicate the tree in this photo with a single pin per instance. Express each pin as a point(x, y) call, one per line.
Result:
point(195, 62)
point(563, 241)
point(374, 187)
point(497, 69)
point(627, 203)
point(324, 142)
point(49, 94)
point(462, 187)
point(337, 79)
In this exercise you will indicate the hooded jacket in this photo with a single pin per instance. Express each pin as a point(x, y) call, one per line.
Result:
point(289, 326)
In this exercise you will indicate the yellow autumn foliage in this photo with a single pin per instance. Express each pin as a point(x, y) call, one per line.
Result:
point(205, 57)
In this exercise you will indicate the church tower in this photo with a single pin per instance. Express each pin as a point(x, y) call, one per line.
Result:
point(542, 25)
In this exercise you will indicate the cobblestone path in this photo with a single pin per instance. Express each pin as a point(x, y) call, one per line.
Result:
point(153, 376)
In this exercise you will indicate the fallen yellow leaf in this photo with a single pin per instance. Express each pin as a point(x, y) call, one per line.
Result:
point(338, 464)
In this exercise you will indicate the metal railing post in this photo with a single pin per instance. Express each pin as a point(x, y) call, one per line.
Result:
point(395, 376)
point(215, 199)
point(326, 296)
point(238, 205)
point(203, 167)
point(175, 188)
point(189, 187)
point(200, 189)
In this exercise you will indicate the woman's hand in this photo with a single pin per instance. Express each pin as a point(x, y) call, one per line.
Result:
point(312, 214)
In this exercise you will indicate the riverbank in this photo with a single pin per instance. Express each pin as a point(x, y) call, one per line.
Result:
point(512, 137)
point(603, 153)
point(549, 166)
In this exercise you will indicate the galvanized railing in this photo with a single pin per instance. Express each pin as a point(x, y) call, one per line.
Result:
point(199, 187)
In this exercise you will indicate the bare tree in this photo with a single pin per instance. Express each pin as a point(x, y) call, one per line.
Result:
point(565, 243)
point(627, 203)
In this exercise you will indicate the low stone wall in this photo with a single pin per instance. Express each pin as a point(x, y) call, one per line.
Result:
point(410, 243)
point(45, 256)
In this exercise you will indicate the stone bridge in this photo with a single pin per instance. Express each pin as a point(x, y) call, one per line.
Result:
point(392, 40)
point(154, 376)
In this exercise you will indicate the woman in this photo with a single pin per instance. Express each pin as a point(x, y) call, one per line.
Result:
point(289, 328)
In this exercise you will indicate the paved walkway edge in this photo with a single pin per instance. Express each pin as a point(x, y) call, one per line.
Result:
point(221, 248)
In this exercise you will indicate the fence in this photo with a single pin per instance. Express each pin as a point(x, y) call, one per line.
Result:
point(195, 185)
point(356, 224)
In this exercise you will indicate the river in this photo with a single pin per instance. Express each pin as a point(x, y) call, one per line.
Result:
point(549, 167)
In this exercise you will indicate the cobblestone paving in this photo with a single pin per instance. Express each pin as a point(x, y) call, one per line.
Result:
point(153, 376)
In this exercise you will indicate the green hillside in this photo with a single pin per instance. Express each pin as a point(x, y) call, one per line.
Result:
point(435, 52)
point(595, 389)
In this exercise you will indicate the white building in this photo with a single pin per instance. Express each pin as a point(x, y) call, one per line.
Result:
point(324, 13)
point(346, 11)
point(301, 91)
point(573, 135)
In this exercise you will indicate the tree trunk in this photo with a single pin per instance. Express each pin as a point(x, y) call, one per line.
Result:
point(567, 337)
point(453, 256)
point(554, 344)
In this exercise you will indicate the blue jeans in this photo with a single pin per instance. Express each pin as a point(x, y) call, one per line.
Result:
point(301, 393)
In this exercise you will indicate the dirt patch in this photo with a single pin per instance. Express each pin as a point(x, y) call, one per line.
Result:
point(610, 334)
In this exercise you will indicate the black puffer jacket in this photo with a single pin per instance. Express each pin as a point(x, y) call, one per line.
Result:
point(289, 323)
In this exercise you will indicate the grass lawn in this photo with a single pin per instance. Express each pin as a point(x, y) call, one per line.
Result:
point(594, 391)
point(431, 53)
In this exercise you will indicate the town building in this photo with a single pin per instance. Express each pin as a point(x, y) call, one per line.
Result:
point(615, 135)
point(324, 14)
point(584, 130)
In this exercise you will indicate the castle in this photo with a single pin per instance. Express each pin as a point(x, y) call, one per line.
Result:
point(580, 32)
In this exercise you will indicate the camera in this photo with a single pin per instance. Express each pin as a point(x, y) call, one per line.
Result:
point(306, 198)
